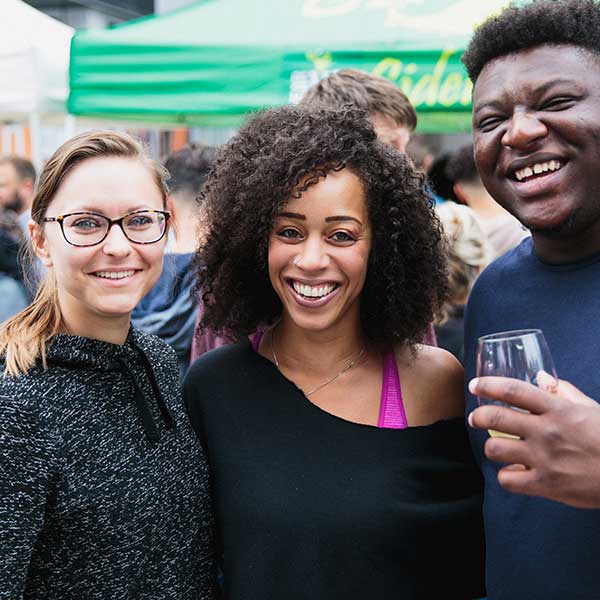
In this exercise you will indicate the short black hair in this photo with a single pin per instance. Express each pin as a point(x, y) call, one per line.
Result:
point(277, 155)
point(519, 27)
point(461, 165)
point(188, 167)
point(23, 166)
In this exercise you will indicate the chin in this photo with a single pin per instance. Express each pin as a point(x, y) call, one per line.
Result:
point(313, 324)
point(556, 229)
point(116, 310)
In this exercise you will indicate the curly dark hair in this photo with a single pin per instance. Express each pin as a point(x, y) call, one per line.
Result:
point(277, 155)
point(518, 27)
point(461, 165)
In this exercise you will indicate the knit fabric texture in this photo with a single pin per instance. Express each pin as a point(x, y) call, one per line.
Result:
point(103, 484)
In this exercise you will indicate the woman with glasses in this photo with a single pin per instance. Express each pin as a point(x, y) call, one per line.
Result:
point(103, 486)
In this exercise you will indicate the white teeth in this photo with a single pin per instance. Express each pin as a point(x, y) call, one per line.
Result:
point(114, 274)
point(313, 291)
point(537, 168)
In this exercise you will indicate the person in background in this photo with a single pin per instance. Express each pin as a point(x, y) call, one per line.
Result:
point(420, 153)
point(13, 294)
point(168, 310)
point(468, 254)
point(390, 111)
point(340, 461)
point(500, 227)
point(438, 180)
point(17, 187)
point(536, 134)
point(423, 158)
point(103, 485)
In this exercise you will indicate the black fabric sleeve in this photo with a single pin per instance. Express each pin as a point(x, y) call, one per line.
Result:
point(197, 384)
point(27, 453)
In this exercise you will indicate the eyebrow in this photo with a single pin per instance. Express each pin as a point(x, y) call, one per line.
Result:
point(342, 218)
point(546, 86)
point(291, 215)
point(91, 209)
point(540, 89)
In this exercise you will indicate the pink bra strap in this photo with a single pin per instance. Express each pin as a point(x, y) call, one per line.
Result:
point(255, 339)
point(391, 407)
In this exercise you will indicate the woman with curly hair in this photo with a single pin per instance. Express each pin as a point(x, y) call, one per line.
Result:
point(341, 466)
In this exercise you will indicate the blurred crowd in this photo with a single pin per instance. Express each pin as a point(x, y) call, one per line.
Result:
point(477, 228)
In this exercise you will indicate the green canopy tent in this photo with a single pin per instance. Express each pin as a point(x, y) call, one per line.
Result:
point(211, 63)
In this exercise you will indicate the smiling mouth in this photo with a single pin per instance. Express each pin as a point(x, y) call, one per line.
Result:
point(313, 292)
point(537, 170)
point(114, 274)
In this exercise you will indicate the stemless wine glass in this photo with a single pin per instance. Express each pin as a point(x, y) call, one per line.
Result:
point(520, 354)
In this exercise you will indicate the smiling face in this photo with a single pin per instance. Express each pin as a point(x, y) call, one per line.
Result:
point(536, 133)
point(318, 253)
point(101, 283)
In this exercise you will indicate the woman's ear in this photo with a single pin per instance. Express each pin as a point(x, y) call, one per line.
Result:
point(39, 243)
point(171, 208)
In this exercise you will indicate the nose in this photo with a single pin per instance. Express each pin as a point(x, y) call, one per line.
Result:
point(115, 243)
point(312, 255)
point(524, 129)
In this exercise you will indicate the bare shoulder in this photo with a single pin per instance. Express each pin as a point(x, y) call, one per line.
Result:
point(432, 384)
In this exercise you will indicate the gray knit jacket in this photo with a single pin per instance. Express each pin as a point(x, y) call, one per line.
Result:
point(103, 484)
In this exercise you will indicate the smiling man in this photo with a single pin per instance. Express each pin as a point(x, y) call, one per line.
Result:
point(536, 134)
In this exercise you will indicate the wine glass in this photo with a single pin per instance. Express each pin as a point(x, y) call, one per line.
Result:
point(520, 354)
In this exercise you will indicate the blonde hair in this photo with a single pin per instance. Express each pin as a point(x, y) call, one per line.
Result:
point(468, 251)
point(23, 338)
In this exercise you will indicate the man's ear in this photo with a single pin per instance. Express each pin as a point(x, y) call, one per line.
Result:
point(459, 192)
point(39, 243)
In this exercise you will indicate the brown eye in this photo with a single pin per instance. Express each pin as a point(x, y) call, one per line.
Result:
point(84, 224)
point(559, 103)
point(342, 236)
point(489, 123)
point(289, 233)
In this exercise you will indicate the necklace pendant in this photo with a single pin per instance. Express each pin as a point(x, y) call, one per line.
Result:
point(322, 385)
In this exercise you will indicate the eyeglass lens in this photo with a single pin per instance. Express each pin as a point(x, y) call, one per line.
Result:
point(87, 229)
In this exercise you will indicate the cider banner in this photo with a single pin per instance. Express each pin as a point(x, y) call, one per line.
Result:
point(432, 80)
point(213, 62)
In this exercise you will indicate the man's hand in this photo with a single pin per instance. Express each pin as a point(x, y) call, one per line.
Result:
point(558, 455)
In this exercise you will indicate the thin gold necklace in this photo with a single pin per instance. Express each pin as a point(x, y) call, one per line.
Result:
point(332, 379)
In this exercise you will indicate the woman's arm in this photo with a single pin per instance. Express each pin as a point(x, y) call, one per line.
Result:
point(26, 454)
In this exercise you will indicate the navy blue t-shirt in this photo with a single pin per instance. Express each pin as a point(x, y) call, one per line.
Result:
point(537, 548)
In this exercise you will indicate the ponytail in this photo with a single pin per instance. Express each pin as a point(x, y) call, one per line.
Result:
point(23, 337)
